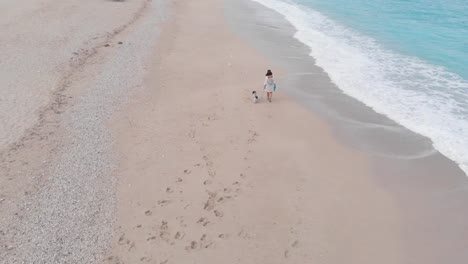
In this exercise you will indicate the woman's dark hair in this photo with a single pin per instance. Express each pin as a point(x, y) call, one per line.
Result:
point(269, 73)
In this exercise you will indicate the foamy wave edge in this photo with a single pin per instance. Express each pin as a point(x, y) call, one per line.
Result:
point(405, 89)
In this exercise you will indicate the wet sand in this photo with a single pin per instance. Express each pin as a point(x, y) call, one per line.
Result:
point(431, 190)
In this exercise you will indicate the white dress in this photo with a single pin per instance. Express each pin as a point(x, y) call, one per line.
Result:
point(269, 85)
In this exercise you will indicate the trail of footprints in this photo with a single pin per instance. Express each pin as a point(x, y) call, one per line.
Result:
point(289, 250)
point(169, 234)
point(166, 233)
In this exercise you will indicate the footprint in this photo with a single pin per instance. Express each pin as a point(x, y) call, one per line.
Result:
point(179, 235)
point(114, 260)
point(295, 244)
point(151, 238)
point(253, 136)
point(181, 221)
point(164, 233)
point(226, 198)
point(145, 259)
point(121, 239)
point(209, 245)
point(223, 236)
point(193, 245)
point(203, 221)
point(218, 213)
point(169, 190)
point(148, 212)
point(211, 173)
point(210, 203)
point(164, 202)
point(207, 182)
point(286, 254)
point(187, 171)
point(131, 246)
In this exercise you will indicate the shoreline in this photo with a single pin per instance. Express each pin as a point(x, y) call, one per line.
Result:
point(354, 123)
point(423, 181)
point(384, 90)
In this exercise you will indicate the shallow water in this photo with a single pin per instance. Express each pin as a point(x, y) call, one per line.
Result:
point(406, 60)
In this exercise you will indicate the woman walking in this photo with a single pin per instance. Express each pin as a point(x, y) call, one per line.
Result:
point(269, 86)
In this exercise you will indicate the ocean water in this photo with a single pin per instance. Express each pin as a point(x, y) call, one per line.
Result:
point(406, 59)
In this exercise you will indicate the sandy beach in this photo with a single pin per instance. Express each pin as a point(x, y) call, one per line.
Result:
point(146, 147)
point(66, 68)
point(208, 176)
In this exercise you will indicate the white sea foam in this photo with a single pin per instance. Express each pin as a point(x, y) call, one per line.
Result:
point(425, 98)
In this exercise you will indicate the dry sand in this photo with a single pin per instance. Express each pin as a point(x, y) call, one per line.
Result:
point(43, 41)
point(66, 67)
point(206, 176)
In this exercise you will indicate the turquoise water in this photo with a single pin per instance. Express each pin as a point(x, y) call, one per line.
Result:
point(406, 59)
point(433, 30)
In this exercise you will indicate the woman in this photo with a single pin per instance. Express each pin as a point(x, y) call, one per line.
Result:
point(269, 86)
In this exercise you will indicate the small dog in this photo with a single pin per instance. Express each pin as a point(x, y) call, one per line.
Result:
point(254, 97)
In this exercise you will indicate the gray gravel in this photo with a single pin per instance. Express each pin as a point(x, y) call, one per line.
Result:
point(70, 219)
